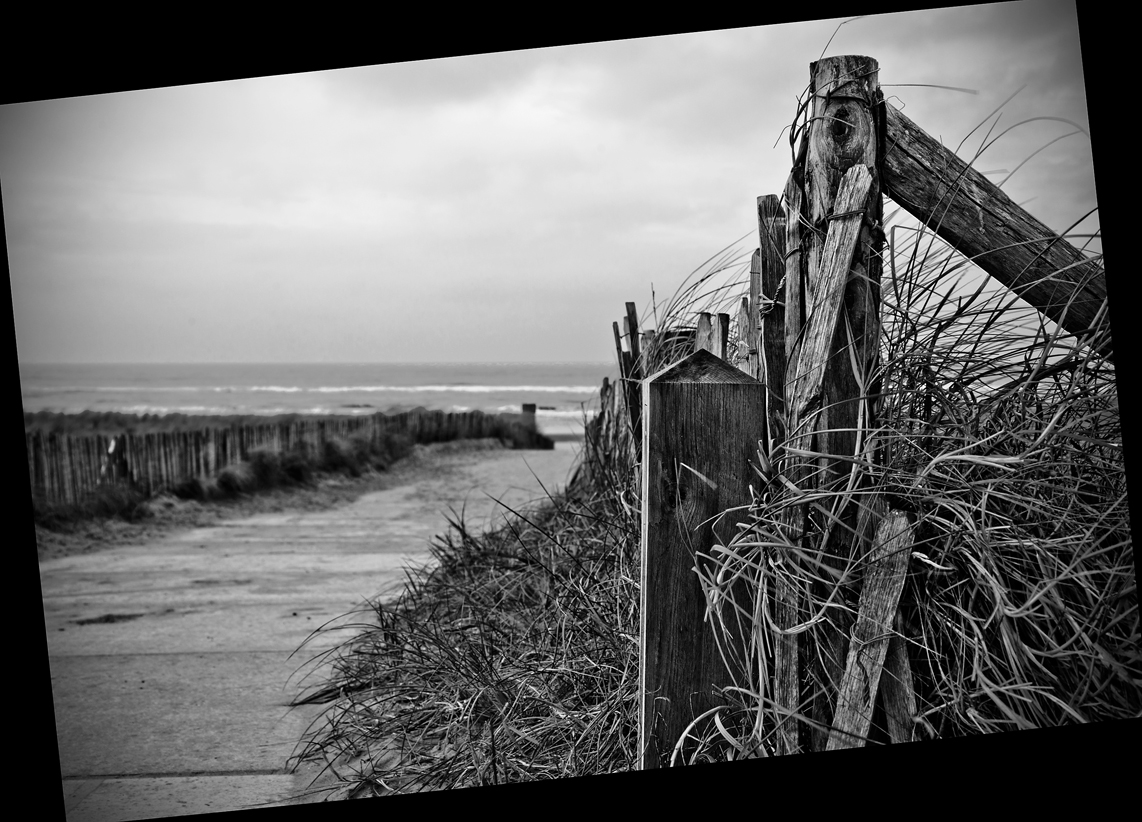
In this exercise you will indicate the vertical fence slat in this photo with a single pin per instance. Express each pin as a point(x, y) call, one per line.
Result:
point(768, 316)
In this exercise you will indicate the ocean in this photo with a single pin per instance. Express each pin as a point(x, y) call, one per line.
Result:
point(564, 393)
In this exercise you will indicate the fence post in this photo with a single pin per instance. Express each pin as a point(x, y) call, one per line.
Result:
point(832, 331)
point(702, 420)
point(630, 326)
point(626, 366)
point(767, 295)
point(713, 334)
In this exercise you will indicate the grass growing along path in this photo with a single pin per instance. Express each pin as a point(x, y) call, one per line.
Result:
point(166, 513)
point(511, 657)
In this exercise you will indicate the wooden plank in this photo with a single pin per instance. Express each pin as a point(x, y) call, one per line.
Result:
point(827, 291)
point(751, 326)
point(794, 265)
point(69, 472)
point(705, 340)
point(703, 418)
point(768, 295)
point(879, 598)
point(744, 355)
point(898, 693)
point(977, 219)
point(639, 371)
point(623, 357)
point(634, 384)
point(646, 351)
point(714, 334)
point(786, 652)
point(787, 668)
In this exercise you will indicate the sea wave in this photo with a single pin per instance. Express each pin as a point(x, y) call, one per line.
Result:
point(220, 410)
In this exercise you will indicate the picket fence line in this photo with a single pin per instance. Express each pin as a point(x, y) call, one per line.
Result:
point(63, 468)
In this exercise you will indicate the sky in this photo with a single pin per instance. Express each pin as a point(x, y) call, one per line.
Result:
point(491, 207)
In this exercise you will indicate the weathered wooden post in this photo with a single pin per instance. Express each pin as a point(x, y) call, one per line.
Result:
point(832, 283)
point(747, 351)
point(702, 422)
point(646, 349)
point(767, 295)
point(713, 334)
point(630, 325)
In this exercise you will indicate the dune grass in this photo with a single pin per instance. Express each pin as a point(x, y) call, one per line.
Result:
point(105, 502)
point(511, 656)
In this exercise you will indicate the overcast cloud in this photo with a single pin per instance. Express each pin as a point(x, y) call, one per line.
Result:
point(483, 208)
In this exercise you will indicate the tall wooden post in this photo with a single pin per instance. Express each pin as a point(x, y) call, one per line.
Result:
point(702, 421)
point(747, 339)
point(630, 359)
point(832, 333)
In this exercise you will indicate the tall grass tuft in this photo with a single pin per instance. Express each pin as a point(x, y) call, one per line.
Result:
point(512, 656)
point(104, 502)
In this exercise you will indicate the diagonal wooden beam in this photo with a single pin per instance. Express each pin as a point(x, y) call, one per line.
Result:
point(977, 219)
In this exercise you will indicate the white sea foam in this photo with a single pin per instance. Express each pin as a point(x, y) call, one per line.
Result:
point(466, 389)
point(314, 388)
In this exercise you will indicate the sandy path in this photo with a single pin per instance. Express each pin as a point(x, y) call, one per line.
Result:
point(170, 657)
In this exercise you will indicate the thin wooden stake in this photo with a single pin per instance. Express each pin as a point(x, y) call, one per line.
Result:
point(897, 692)
point(744, 350)
point(769, 316)
point(705, 341)
point(879, 598)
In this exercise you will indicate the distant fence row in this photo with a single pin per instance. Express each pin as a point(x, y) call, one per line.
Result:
point(64, 468)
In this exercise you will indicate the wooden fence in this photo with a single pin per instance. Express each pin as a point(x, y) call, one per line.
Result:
point(809, 333)
point(64, 468)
